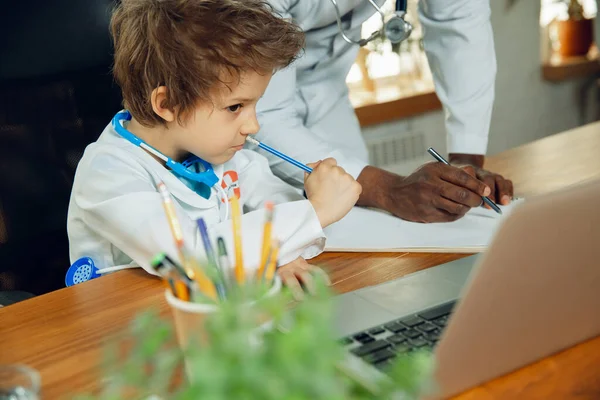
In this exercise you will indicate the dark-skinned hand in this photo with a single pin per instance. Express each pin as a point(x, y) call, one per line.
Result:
point(435, 192)
point(502, 188)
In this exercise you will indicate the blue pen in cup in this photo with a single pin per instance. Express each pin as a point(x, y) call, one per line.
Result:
point(210, 255)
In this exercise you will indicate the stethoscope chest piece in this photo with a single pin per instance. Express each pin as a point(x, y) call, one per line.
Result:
point(397, 29)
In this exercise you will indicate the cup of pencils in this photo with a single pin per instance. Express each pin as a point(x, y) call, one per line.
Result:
point(198, 288)
point(190, 317)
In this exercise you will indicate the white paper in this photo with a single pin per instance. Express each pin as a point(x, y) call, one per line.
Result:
point(366, 230)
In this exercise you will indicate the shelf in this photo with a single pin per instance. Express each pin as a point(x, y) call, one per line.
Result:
point(560, 69)
point(393, 99)
point(402, 107)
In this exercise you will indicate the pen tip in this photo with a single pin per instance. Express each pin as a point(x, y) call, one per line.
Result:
point(221, 246)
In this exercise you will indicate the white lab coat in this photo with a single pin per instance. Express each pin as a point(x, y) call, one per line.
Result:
point(306, 112)
point(116, 214)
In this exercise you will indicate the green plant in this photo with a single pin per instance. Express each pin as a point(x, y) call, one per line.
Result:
point(574, 9)
point(302, 361)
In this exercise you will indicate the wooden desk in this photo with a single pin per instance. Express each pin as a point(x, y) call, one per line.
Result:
point(60, 334)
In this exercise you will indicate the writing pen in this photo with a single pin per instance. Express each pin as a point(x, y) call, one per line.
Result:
point(279, 154)
point(210, 255)
point(486, 200)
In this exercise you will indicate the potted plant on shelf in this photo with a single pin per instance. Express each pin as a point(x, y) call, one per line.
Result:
point(573, 36)
point(304, 360)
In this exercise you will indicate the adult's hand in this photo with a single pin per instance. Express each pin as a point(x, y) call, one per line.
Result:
point(435, 192)
point(502, 188)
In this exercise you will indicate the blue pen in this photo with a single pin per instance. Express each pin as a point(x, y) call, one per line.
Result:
point(441, 159)
point(278, 154)
point(210, 254)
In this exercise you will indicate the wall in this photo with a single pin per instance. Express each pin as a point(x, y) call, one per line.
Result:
point(526, 107)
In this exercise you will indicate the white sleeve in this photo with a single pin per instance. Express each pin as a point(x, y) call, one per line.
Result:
point(458, 40)
point(121, 204)
point(282, 128)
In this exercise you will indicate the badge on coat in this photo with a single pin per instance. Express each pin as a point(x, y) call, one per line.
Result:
point(230, 184)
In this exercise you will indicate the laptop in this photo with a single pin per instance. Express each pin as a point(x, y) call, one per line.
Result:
point(535, 291)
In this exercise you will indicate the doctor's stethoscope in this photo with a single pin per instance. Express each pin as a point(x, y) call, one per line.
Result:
point(396, 29)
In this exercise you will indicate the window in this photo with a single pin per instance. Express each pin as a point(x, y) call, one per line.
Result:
point(383, 73)
point(571, 61)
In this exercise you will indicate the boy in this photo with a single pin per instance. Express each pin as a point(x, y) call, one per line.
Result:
point(191, 73)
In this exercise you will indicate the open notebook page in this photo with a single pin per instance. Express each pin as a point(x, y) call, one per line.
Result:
point(367, 230)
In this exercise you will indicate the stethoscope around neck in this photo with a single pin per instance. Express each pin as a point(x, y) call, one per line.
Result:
point(206, 174)
point(396, 29)
point(84, 269)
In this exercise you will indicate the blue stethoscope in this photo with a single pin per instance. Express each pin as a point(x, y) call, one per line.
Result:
point(207, 176)
point(396, 29)
point(204, 172)
point(84, 269)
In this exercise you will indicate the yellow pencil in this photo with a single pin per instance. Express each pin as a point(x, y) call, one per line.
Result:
point(270, 272)
point(236, 217)
point(172, 218)
point(206, 286)
point(192, 269)
point(266, 246)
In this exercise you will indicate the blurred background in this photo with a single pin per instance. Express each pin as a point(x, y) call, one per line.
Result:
point(547, 82)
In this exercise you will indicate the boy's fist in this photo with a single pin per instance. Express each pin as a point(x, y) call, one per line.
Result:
point(331, 190)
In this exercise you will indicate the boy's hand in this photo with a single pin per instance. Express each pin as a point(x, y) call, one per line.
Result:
point(298, 274)
point(331, 190)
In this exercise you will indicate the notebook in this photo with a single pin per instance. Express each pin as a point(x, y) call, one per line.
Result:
point(368, 230)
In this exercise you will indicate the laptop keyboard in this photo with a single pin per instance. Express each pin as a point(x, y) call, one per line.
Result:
point(380, 344)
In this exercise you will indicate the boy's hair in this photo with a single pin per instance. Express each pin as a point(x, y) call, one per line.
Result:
point(190, 45)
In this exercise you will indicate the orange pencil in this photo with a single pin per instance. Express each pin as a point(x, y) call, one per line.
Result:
point(172, 279)
point(182, 291)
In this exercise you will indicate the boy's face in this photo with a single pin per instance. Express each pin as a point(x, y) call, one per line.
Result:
point(216, 132)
